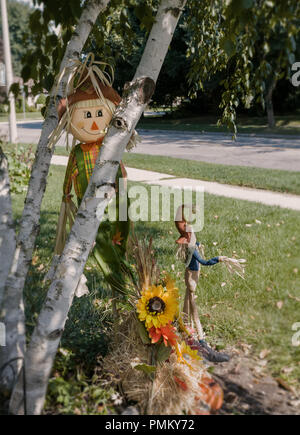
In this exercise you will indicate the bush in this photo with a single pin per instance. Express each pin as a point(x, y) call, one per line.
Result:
point(41, 99)
point(20, 162)
point(3, 108)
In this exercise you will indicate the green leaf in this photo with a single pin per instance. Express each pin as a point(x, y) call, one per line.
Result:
point(143, 333)
point(163, 352)
point(228, 46)
point(247, 4)
point(145, 368)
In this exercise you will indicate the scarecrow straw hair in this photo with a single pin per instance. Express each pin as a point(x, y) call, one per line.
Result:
point(77, 74)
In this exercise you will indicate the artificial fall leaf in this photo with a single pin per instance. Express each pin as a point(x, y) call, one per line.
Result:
point(166, 332)
point(212, 393)
point(117, 238)
point(181, 383)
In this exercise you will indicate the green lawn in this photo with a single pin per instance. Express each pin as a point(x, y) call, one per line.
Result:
point(20, 116)
point(285, 124)
point(232, 310)
point(270, 179)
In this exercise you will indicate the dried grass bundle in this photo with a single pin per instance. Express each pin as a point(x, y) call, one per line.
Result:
point(175, 387)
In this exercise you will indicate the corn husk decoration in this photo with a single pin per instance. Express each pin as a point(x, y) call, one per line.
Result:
point(149, 358)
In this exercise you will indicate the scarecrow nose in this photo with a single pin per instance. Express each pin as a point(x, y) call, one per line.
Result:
point(94, 126)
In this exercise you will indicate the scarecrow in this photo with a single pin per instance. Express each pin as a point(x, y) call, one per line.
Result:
point(189, 252)
point(86, 113)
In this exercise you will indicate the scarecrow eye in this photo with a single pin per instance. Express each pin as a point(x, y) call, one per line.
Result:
point(87, 114)
point(99, 113)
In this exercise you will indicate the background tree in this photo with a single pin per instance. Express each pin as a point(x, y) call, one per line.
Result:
point(251, 42)
point(20, 40)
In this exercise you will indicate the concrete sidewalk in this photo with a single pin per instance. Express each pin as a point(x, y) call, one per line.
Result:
point(266, 197)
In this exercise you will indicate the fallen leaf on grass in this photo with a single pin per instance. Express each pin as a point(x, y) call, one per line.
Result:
point(287, 370)
point(264, 353)
point(35, 259)
point(293, 297)
point(279, 305)
point(283, 384)
point(258, 221)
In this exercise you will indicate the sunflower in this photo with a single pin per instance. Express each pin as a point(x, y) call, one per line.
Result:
point(186, 350)
point(158, 305)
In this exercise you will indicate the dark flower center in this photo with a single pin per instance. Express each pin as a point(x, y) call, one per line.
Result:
point(156, 305)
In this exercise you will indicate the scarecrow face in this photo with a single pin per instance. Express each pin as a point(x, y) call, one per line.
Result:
point(89, 124)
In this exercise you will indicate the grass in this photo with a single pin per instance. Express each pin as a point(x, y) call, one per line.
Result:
point(285, 124)
point(232, 310)
point(270, 179)
point(20, 116)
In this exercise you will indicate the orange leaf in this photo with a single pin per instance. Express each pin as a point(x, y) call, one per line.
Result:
point(181, 384)
point(117, 238)
point(212, 393)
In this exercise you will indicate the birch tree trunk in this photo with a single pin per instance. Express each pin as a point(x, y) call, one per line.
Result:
point(51, 322)
point(7, 232)
point(13, 292)
point(7, 248)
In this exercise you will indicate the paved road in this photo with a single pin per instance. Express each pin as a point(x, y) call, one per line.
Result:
point(248, 150)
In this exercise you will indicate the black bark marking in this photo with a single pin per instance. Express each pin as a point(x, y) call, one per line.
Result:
point(143, 88)
point(54, 335)
point(120, 123)
point(174, 11)
point(147, 90)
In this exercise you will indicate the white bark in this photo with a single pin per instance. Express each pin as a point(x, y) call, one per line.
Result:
point(7, 248)
point(29, 227)
point(50, 325)
point(7, 232)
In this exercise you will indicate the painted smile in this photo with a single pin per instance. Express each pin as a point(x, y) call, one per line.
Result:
point(95, 134)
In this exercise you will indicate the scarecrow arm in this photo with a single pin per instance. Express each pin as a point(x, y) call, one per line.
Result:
point(211, 262)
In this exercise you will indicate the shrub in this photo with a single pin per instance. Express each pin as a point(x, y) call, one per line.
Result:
point(20, 161)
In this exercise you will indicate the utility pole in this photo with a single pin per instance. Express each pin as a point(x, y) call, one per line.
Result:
point(13, 135)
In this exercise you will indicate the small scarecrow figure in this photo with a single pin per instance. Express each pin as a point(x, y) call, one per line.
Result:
point(188, 251)
point(86, 113)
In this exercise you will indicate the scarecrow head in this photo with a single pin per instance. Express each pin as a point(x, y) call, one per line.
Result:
point(90, 112)
point(183, 224)
point(90, 101)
